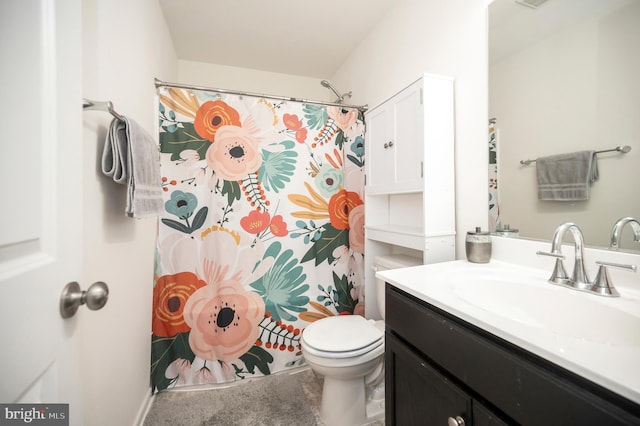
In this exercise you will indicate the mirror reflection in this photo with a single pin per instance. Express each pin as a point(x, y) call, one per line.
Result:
point(563, 78)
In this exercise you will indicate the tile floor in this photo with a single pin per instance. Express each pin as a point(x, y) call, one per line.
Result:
point(300, 390)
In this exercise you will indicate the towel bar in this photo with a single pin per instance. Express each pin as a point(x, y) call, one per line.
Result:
point(621, 149)
point(106, 106)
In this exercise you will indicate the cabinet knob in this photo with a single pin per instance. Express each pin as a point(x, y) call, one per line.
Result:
point(388, 144)
point(455, 421)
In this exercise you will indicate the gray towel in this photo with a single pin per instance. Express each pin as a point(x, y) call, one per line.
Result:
point(131, 157)
point(566, 177)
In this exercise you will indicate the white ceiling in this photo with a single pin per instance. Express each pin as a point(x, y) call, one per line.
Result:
point(309, 38)
point(513, 27)
point(312, 38)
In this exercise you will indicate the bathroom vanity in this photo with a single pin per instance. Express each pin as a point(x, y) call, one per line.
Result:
point(448, 361)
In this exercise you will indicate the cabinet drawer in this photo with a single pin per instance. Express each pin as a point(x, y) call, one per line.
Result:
point(525, 387)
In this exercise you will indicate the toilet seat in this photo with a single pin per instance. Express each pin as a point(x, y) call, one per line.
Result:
point(344, 336)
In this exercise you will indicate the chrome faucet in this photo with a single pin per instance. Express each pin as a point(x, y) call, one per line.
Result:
point(619, 226)
point(579, 278)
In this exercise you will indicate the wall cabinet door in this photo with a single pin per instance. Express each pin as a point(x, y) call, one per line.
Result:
point(409, 135)
point(378, 135)
point(394, 143)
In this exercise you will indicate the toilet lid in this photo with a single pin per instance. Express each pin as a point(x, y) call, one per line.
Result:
point(344, 333)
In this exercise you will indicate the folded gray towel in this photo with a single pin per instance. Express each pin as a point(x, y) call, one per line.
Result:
point(566, 177)
point(115, 155)
point(130, 156)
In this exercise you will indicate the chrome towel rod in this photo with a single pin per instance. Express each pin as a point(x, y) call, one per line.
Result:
point(106, 106)
point(621, 149)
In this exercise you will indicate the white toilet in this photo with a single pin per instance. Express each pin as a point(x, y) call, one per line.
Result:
point(348, 351)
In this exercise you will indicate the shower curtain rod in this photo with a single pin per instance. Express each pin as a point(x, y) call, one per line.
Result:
point(160, 83)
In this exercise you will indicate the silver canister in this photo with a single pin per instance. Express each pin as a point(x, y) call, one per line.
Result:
point(478, 246)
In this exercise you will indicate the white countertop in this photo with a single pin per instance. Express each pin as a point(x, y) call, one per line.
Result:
point(614, 365)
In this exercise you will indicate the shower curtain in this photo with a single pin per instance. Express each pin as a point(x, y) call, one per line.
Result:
point(262, 233)
point(494, 202)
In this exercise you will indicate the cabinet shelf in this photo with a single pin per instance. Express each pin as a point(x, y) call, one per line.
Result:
point(395, 191)
point(404, 236)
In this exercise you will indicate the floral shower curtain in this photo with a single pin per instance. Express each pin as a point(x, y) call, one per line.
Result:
point(494, 202)
point(263, 232)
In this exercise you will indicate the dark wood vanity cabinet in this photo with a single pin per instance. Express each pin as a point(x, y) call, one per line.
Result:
point(439, 367)
point(424, 396)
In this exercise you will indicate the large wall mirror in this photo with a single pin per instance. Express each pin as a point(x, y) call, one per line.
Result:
point(564, 76)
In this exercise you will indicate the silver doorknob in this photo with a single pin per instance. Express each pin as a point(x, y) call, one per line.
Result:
point(95, 297)
point(455, 421)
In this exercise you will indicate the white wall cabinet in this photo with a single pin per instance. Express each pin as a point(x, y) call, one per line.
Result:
point(409, 191)
point(394, 151)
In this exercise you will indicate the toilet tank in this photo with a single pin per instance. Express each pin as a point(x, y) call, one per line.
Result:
point(392, 261)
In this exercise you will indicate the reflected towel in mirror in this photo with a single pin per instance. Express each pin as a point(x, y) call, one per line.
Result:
point(566, 177)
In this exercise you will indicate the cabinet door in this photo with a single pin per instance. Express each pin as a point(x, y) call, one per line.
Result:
point(482, 416)
point(394, 143)
point(380, 158)
point(416, 393)
point(409, 132)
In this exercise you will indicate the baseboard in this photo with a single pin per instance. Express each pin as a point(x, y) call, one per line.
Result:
point(144, 407)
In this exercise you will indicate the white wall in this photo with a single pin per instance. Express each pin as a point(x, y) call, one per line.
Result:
point(254, 81)
point(438, 37)
point(125, 45)
point(575, 90)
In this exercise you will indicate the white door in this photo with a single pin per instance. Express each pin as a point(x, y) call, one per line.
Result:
point(41, 208)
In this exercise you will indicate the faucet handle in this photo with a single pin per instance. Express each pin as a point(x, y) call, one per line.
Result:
point(549, 253)
point(559, 274)
point(602, 283)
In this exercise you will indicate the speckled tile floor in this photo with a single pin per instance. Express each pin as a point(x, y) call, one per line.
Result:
point(284, 399)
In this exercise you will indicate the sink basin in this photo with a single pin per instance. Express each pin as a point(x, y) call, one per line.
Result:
point(534, 302)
